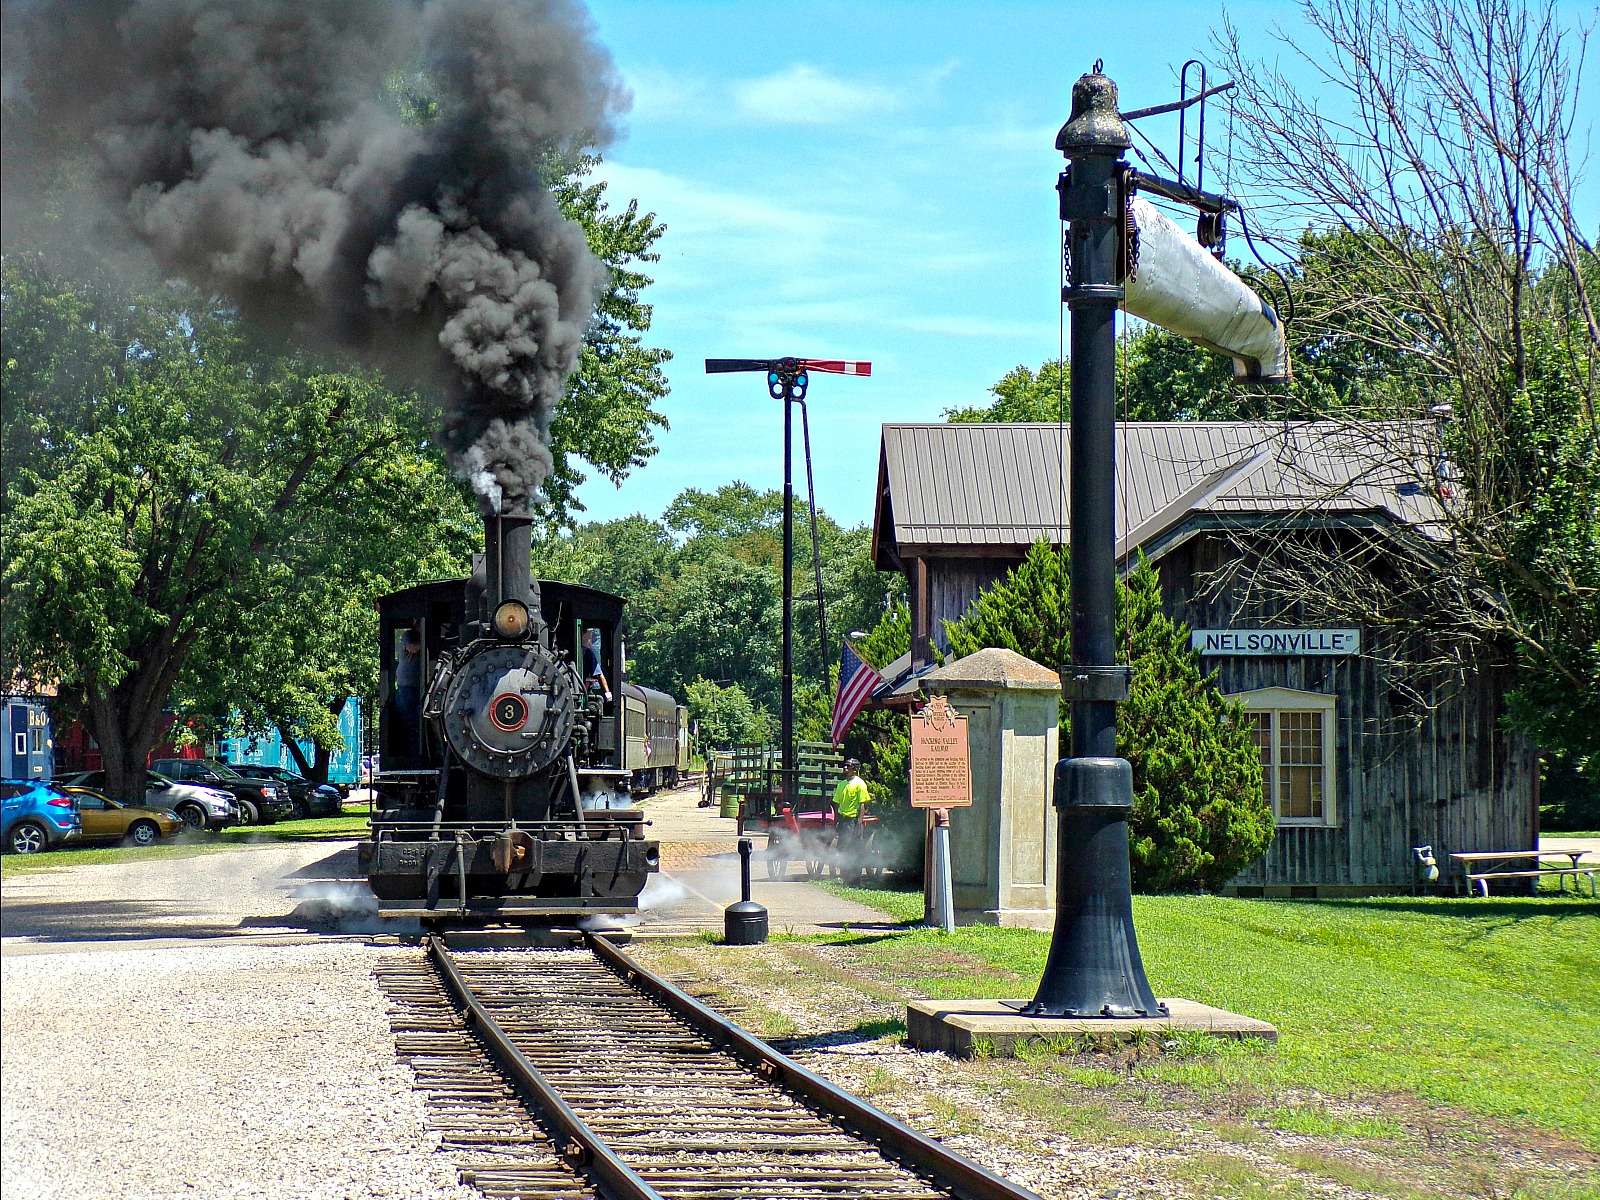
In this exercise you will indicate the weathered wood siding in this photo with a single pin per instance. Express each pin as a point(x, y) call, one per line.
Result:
point(1448, 776)
point(953, 585)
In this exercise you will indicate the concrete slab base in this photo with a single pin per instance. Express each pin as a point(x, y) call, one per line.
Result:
point(961, 1027)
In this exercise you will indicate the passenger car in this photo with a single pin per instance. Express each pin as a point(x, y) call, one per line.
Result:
point(309, 799)
point(106, 819)
point(35, 816)
point(197, 807)
point(260, 802)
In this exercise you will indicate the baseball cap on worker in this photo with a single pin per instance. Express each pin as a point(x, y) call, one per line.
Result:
point(852, 764)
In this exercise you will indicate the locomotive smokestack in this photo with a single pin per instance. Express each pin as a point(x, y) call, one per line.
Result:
point(507, 572)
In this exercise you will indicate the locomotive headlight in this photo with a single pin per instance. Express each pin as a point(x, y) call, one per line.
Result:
point(511, 619)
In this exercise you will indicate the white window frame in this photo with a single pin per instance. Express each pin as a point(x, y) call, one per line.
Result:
point(1281, 699)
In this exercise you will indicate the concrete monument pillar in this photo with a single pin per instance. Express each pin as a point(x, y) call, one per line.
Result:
point(1003, 848)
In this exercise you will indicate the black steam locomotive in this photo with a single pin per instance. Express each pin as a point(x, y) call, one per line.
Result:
point(512, 749)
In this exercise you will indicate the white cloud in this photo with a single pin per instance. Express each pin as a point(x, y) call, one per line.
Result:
point(803, 95)
point(707, 217)
point(658, 93)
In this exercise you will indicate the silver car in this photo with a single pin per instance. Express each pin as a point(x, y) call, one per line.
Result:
point(197, 806)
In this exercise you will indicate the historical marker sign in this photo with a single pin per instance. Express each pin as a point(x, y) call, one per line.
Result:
point(1276, 643)
point(941, 765)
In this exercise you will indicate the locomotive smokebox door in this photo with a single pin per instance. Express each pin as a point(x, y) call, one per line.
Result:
point(509, 711)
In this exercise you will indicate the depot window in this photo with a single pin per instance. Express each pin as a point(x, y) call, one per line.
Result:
point(1294, 735)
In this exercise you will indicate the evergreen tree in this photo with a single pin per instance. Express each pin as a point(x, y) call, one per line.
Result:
point(1025, 612)
point(1199, 816)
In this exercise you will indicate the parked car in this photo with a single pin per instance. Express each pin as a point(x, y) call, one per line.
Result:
point(309, 799)
point(260, 802)
point(198, 807)
point(35, 816)
point(105, 819)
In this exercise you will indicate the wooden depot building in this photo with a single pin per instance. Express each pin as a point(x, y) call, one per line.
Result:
point(1359, 767)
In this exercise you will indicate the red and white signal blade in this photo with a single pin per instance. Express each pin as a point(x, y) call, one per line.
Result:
point(837, 366)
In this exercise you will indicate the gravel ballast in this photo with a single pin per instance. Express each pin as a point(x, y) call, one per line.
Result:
point(215, 1070)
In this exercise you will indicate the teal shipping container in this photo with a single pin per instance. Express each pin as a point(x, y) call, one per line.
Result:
point(268, 750)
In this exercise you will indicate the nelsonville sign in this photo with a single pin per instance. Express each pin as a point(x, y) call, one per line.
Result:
point(1277, 643)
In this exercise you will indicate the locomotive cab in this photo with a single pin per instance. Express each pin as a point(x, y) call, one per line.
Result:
point(495, 724)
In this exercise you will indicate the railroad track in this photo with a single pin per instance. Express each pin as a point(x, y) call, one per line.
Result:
point(579, 1073)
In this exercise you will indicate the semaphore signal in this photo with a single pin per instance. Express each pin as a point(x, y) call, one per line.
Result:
point(787, 379)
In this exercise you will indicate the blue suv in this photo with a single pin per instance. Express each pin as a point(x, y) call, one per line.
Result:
point(34, 816)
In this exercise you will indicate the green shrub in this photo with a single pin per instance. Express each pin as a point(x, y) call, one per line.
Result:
point(1199, 816)
point(1569, 793)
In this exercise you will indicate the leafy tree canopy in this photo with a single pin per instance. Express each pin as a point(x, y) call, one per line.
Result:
point(726, 715)
point(172, 486)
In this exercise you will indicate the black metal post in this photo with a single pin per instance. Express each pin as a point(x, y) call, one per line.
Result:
point(1094, 968)
point(786, 720)
point(744, 923)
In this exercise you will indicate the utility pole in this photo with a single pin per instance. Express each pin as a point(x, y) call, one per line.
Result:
point(788, 385)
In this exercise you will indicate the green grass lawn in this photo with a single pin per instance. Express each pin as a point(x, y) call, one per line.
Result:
point(315, 829)
point(1489, 1005)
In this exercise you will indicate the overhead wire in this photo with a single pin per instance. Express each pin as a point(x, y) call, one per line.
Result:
point(1122, 466)
point(1061, 428)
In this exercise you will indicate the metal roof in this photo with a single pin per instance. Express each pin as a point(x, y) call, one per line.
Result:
point(993, 487)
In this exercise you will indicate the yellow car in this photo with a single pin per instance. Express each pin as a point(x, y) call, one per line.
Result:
point(106, 819)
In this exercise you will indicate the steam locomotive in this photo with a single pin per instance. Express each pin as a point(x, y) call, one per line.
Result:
point(512, 749)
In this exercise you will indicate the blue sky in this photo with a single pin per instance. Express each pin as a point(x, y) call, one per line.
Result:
point(863, 181)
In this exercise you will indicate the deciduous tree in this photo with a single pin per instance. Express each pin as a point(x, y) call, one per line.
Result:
point(1433, 170)
point(173, 494)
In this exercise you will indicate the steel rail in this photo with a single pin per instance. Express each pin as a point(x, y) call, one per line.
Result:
point(964, 1178)
point(584, 1148)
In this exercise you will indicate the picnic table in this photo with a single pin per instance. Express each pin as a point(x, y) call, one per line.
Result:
point(1492, 858)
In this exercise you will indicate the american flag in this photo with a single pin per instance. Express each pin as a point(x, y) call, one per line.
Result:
point(857, 681)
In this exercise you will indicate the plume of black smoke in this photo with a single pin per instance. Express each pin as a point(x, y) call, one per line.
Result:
point(248, 144)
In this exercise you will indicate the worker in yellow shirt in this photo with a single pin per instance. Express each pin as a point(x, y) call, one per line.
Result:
point(850, 803)
point(851, 794)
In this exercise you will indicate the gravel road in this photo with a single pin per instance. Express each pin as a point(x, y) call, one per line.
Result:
point(250, 890)
point(159, 1038)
